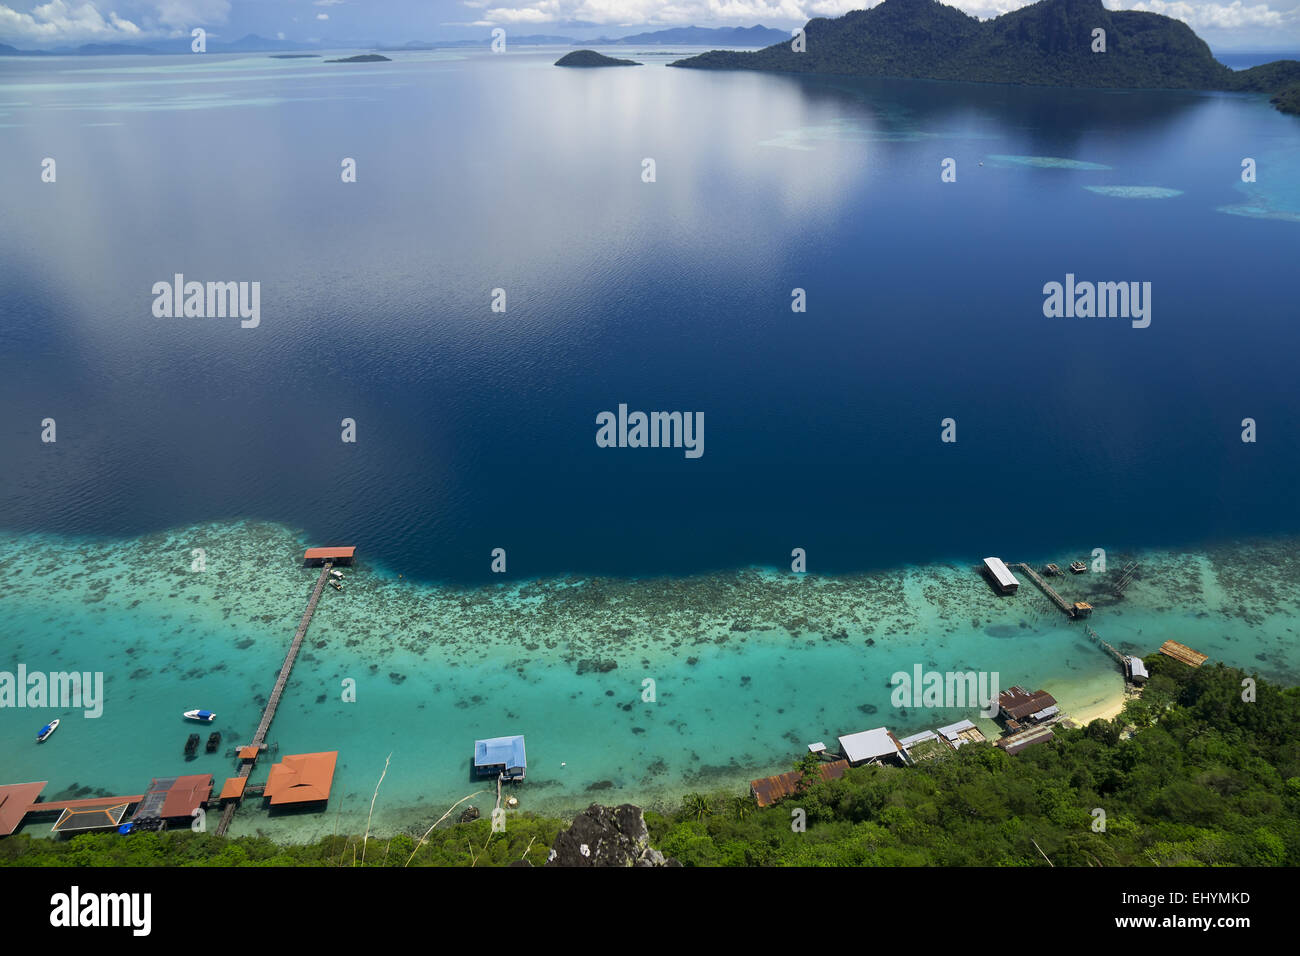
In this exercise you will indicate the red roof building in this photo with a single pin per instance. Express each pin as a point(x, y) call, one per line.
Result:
point(301, 778)
point(15, 799)
point(337, 555)
point(170, 798)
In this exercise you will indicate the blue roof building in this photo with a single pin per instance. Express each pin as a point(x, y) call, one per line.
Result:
point(500, 756)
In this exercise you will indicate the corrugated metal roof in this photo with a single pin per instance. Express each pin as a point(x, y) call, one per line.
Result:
point(917, 738)
point(868, 745)
point(1001, 573)
point(953, 731)
point(1017, 703)
point(768, 790)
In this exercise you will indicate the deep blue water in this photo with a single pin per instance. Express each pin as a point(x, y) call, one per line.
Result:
point(477, 430)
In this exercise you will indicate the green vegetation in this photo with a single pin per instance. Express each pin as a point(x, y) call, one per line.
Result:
point(1204, 779)
point(1189, 775)
point(1288, 100)
point(1049, 43)
point(465, 844)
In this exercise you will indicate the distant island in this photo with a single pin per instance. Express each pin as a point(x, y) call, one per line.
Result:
point(363, 58)
point(592, 58)
point(704, 36)
point(1048, 43)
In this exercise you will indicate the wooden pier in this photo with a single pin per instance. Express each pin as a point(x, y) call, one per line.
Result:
point(1096, 639)
point(1050, 591)
point(268, 714)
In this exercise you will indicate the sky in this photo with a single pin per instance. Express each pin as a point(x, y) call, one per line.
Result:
point(39, 24)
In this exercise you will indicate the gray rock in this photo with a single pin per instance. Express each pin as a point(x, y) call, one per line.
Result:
point(607, 836)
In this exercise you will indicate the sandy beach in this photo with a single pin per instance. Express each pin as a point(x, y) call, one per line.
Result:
point(1104, 710)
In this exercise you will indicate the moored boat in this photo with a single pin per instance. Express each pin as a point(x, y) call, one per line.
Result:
point(205, 716)
point(45, 731)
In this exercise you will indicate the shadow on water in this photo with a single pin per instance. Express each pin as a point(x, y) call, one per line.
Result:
point(1055, 117)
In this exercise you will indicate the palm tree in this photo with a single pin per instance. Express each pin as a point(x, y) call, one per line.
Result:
point(741, 807)
point(696, 805)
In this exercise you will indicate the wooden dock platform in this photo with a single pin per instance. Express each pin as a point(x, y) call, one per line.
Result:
point(1181, 652)
point(1047, 589)
point(268, 714)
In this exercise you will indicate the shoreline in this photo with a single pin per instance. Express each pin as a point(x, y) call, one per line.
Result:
point(749, 666)
point(1106, 710)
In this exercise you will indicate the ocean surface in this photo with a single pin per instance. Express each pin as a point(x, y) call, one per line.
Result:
point(477, 429)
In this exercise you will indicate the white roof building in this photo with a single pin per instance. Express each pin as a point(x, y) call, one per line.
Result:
point(917, 738)
point(869, 745)
point(1137, 668)
point(1001, 574)
point(953, 733)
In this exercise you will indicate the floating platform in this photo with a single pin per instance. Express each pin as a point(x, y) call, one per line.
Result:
point(1183, 653)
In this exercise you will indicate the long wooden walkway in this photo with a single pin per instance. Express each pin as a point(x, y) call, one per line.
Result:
point(1047, 589)
point(268, 714)
point(1096, 639)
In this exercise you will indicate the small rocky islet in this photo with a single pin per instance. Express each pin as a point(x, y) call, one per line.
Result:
point(592, 58)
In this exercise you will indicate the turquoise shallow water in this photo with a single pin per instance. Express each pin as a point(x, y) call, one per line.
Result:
point(748, 666)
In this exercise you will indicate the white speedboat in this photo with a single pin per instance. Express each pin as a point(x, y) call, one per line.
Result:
point(204, 716)
point(48, 729)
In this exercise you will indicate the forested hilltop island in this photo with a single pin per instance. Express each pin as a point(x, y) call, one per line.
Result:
point(592, 58)
point(1195, 772)
point(1049, 43)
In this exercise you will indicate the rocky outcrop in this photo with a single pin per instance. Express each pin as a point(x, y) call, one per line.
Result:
point(607, 836)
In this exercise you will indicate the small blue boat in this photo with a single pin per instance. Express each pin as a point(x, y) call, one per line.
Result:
point(203, 716)
point(45, 732)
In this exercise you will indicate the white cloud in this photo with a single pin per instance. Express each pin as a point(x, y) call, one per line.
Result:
point(58, 20)
point(1215, 16)
point(80, 21)
point(183, 14)
point(322, 16)
point(1199, 15)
